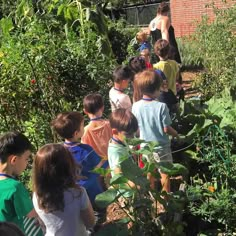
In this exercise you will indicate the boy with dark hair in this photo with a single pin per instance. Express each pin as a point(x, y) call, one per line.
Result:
point(98, 132)
point(169, 67)
point(118, 99)
point(154, 119)
point(15, 201)
point(70, 126)
point(137, 64)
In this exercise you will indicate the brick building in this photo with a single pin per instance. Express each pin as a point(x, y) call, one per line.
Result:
point(185, 13)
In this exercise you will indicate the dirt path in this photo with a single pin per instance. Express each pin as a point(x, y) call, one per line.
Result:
point(188, 79)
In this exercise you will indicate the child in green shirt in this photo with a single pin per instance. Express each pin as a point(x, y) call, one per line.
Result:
point(15, 201)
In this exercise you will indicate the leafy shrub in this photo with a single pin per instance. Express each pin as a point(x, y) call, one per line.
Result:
point(216, 43)
point(140, 203)
point(188, 48)
point(48, 64)
point(120, 37)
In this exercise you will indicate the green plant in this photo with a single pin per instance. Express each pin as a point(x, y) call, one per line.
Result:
point(190, 56)
point(140, 203)
point(212, 194)
point(217, 47)
point(208, 132)
point(51, 56)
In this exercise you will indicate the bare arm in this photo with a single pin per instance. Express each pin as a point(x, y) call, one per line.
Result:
point(100, 164)
point(165, 24)
point(32, 214)
point(87, 216)
point(169, 130)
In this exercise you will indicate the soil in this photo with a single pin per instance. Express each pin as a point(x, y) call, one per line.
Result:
point(188, 78)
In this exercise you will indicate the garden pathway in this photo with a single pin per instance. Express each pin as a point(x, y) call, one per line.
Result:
point(188, 80)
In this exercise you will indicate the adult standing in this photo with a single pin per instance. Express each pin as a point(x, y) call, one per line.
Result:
point(160, 28)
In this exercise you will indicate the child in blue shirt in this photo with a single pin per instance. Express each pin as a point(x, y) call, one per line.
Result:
point(154, 119)
point(143, 42)
point(70, 126)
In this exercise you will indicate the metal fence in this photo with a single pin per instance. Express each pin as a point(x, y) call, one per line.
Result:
point(140, 15)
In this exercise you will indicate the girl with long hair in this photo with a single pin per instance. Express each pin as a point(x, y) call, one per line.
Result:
point(62, 205)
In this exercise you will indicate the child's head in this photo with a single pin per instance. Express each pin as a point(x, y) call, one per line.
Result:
point(145, 53)
point(149, 83)
point(93, 103)
point(69, 125)
point(137, 64)
point(54, 171)
point(15, 150)
point(162, 48)
point(123, 121)
point(122, 75)
point(141, 36)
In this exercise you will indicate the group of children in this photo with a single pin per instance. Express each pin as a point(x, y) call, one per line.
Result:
point(64, 186)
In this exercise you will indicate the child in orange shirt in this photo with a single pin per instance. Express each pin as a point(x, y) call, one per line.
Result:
point(98, 132)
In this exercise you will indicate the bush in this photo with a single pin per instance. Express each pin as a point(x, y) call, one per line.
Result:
point(48, 64)
point(191, 59)
point(216, 43)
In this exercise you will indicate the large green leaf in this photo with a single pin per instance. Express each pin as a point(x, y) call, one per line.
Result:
point(132, 172)
point(118, 179)
point(106, 198)
point(173, 169)
point(6, 26)
point(101, 171)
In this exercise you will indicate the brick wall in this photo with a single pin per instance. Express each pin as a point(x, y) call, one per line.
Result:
point(185, 13)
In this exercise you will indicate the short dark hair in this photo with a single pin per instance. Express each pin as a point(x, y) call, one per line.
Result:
point(148, 82)
point(137, 64)
point(122, 73)
point(66, 123)
point(13, 143)
point(162, 48)
point(163, 8)
point(123, 120)
point(93, 103)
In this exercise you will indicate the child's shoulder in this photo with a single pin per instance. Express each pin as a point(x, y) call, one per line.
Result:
point(12, 186)
point(172, 62)
point(13, 183)
point(84, 147)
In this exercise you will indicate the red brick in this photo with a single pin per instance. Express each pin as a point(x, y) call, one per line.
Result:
point(184, 13)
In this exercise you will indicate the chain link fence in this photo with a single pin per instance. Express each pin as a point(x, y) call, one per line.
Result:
point(140, 15)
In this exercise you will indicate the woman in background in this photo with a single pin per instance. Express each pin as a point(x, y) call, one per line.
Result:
point(161, 28)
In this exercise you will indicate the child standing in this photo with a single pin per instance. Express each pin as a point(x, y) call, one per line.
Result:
point(118, 99)
point(123, 124)
point(62, 205)
point(145, 54)
point(98, 132)
point(15, 201)
point(142, 40)
point(169, 67)
point(154, 119)
point(70, 126)
point(166, 95)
